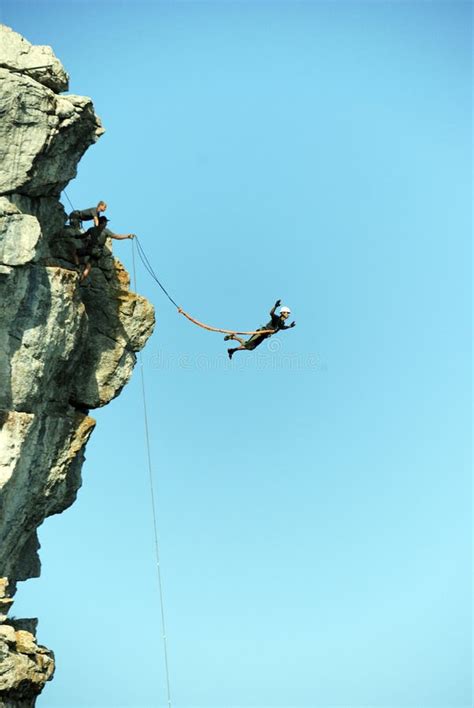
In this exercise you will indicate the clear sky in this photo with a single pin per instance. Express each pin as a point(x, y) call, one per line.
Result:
point(313, 496)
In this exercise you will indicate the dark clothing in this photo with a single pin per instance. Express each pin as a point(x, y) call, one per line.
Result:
point(95, 239)
point(276, 324)
point(86, 214)
point(76, 217)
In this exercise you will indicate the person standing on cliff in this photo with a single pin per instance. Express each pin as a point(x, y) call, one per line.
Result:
point(276, 324)
point(96, 238)
point(92, 214)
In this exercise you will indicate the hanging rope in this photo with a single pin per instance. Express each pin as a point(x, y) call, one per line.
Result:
point(153, 506)
point(68, 199)
point(150, 270)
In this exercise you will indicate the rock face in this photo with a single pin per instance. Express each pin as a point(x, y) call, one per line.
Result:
point(65, 347)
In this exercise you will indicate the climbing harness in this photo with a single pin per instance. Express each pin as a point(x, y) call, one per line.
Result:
point(153, 506)
point(150, 270)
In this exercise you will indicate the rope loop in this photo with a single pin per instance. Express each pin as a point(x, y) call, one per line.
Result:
point(209, 328)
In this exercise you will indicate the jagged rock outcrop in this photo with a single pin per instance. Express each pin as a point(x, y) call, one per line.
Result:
point(25, 666)
point(65, 347)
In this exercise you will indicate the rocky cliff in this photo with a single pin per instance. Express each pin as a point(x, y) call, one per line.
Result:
point(65, 347)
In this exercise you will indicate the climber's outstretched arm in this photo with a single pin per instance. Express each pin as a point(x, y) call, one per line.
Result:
point(120, 237)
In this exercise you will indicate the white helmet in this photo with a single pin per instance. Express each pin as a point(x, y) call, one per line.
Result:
point(285, 309)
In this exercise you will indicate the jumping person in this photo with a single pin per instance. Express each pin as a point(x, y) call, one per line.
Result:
point(96, 238)
point(276, 324)
point(77, 217)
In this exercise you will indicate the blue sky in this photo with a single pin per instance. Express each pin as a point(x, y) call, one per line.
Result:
point(314, 496)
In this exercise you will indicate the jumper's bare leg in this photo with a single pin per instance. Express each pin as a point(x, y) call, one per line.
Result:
point(234, 336)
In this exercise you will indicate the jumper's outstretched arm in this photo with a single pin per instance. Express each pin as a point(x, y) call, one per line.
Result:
point(277, 304)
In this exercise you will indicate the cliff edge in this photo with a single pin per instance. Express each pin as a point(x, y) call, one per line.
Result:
point(64, 347)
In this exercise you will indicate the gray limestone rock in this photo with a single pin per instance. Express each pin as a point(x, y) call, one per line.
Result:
point(19, 235)
point(7, 634)
point(65, 347)
point(19, 56)
point(42, 135)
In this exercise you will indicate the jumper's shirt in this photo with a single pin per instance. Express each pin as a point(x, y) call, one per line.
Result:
point(276, 323)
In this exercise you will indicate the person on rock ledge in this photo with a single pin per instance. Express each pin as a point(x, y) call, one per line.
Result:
point(93, 250)
point(92, 214)
point(276, 324)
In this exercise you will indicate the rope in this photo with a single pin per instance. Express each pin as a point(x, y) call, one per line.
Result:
point(72, 207)
point(153, 506)
point(150, 270)
point(224, 331)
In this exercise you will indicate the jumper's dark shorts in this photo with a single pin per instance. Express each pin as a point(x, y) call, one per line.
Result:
point(255, 340)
